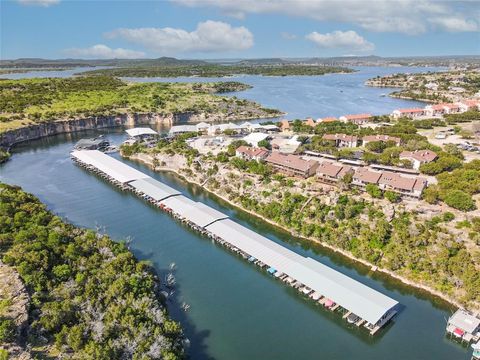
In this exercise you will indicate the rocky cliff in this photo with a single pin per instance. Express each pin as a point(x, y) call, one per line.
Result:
point(31, 132)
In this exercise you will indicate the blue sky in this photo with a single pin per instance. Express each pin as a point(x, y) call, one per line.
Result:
point(237, 29)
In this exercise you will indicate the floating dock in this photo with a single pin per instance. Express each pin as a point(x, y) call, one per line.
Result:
point(311, 278)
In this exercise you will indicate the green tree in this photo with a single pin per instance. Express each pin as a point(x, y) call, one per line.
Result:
point(460, 200)
point(374, 191)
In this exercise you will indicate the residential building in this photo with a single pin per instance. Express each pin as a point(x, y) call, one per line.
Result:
point(412, 113)
point(250, 153)
point(470, 104)
point(409, 186)
point(329, 172)
point(364, 176)
point(327, 119)
point(342, 140)
point(358, 119)
point(435, 110)
point(383, 138)
point(452, 108)
point(418, 157)
point(292, 165)
point(284, 125)
point(309, 122)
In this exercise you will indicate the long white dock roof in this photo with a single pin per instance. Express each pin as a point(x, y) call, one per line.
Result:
point(109, 165)
point(352, 295)
point(155, 189)
point(196, 212)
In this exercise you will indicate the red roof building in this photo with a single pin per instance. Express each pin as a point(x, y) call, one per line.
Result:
point(292, 164)
point(250, 153)
point(331, 173)
point(418, 157)
point(358, 119)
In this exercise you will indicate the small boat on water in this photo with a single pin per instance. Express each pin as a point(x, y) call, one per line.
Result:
point(96, 143)
point(110, 149)
point(352, 318)
point(170, 280)
point(185, 306)
point(172, 266)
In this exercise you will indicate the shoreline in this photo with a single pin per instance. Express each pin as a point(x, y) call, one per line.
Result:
point(337, 250)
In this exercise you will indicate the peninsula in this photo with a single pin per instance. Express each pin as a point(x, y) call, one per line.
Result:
point(434, 87)
point(84, 296)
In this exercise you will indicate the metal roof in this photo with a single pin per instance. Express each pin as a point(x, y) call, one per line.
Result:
point(141, 131)
point(203, 215)
point(465, 321)
point(362, 300)
point(196, 212)
point(182, 129)
point(155, 189)
point(110, 166)
point(179, 204)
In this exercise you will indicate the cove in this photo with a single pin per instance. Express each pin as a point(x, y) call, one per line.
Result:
point(237, 311)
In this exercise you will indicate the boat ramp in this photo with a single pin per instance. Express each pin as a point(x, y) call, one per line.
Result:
point(358, 303)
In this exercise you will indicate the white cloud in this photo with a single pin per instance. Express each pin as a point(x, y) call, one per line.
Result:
point(101, 51)
point(403, 16)
point(44, 3)
point(455, 24)
point(348, 40)
point(209, 36)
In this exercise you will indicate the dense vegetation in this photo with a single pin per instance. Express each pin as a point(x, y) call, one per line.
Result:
point(28, 101)
point(456, 187)
point(4, 156)
point(444, 86)
point(217, 70)
point(422, 251)
point(90, 298)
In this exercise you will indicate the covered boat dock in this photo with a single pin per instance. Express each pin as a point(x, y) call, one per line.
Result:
point(311, 278)
point(351, 295)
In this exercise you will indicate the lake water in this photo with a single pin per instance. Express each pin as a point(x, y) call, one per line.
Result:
point(237, 311)
point(318, 96)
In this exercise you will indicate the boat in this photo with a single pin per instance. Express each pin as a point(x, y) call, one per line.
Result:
point(185, 306)
point(352, 318)
point(383, 95)
point(172, 266)
point(170, 280)
point(110, 149)
point(96, 143)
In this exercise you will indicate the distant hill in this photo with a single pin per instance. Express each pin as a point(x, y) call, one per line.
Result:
point(370, 60)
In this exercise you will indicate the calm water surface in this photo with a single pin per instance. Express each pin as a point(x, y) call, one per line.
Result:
point(318, 96)
point(237, 311)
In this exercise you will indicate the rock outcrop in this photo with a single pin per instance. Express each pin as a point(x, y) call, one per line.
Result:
point(49, 128)
point(13, 292)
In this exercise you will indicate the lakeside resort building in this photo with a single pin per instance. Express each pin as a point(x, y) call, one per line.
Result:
point(418, 157)
point(291, 164)
point(251, 153)
point(358, 303)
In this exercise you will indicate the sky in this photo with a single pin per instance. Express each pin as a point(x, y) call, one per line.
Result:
point(215, 29)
